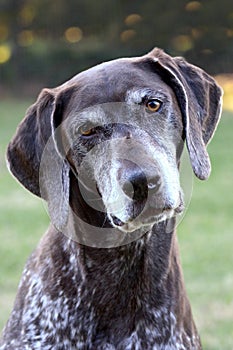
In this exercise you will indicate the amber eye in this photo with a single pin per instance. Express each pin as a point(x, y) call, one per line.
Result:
point(153, 105)
point(86, 130)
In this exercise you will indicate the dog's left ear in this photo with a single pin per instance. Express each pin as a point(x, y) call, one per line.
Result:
point(200, 101)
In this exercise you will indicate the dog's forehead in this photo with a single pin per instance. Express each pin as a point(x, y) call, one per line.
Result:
point(118, 69)
point(112, 81)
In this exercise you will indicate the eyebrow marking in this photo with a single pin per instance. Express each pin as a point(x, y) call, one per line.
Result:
point(139, 95)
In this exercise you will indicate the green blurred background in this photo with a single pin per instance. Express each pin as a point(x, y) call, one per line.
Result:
point(43, 43)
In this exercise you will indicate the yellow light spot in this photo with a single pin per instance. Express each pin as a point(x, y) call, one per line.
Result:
point(196, 33)
point(25, 38)
point(226, 82)
point(127, 35)
point(182, 43)
point(132, 19)
point(73, 34)
point(229, 33)
point(4, 32)
point(193, 6)
point(5, 53)
point(27, 15)
point(207, 52)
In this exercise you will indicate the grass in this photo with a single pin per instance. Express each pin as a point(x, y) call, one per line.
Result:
point(205, 234)
point(205, 237)
point(22, 216)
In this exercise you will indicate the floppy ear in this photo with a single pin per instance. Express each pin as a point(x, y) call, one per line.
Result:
point(54, 168)
point(33, 156)
point(200, 101)
point(26, 147)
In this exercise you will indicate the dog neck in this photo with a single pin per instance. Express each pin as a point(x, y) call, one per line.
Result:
point(137, 283)
point(149, 261)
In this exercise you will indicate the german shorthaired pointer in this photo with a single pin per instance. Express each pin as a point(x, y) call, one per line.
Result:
point(103, 150)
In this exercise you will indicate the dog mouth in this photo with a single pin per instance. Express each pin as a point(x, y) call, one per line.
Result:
point(147, 219)
point(137, 203)
point(116, 221)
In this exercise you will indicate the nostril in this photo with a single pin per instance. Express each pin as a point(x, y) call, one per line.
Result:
point(128, 189)
point(135, 187)
point(151, 185)
point(154, 183)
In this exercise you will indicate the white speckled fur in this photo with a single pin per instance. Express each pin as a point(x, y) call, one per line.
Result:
point(58, 316)
point(73, 295)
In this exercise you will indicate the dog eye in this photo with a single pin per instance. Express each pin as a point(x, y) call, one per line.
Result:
point(153, 105)
point(87, 130)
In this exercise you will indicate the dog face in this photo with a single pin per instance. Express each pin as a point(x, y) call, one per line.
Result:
point(119, 128)
point(127, 150)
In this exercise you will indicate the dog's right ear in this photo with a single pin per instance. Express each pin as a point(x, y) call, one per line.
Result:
point(54, 168)
point(25, 149)
point(34, 156)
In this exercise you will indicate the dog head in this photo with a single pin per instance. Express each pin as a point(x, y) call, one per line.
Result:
point(118, 129)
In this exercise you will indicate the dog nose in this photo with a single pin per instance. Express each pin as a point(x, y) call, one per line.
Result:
point(137, 186)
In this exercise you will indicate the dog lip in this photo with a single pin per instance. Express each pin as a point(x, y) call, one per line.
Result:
point(116, 221)
point(180, 208)
point(133, 224)
point(152, 216)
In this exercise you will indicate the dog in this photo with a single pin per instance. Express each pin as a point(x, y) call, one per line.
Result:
point(103, 150)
